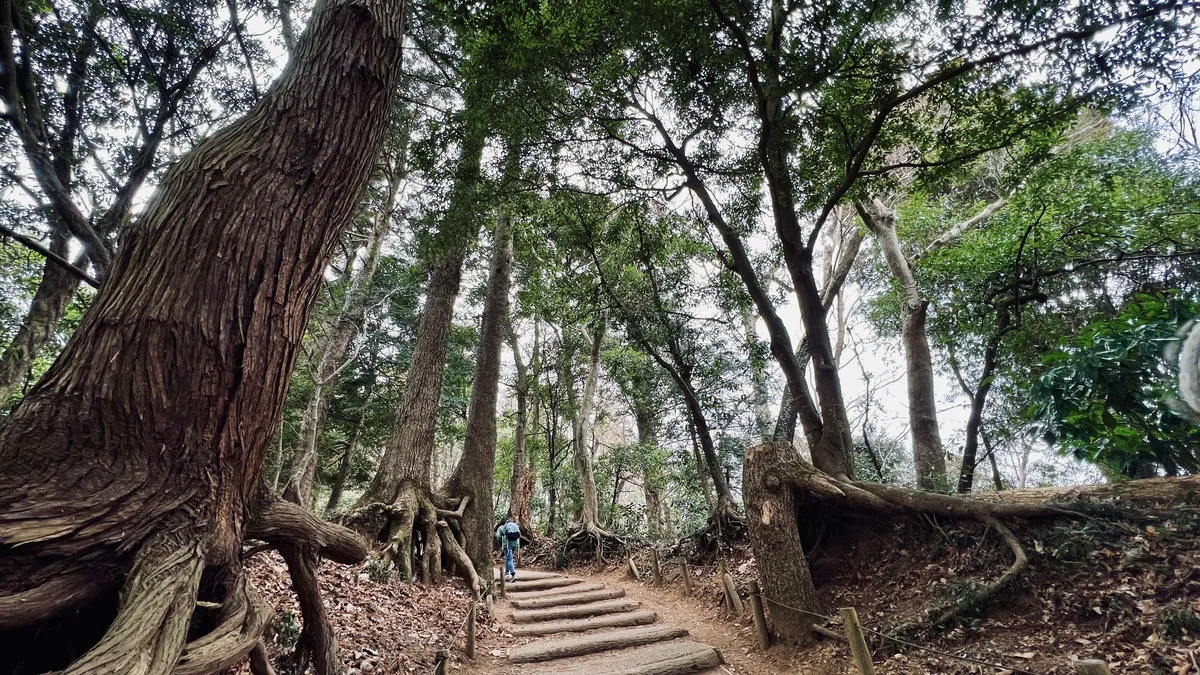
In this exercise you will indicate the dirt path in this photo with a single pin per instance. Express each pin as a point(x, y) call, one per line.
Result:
point(582, 623)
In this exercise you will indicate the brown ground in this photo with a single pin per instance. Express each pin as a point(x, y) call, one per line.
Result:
point(1127, 593)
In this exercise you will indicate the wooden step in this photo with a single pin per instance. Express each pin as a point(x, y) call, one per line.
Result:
point(539, 584)
point(574, 611)
point(523, 574)
point(590, 644)
point(580, 625)
point(677, 657)
point(568, 599)
point(564, 590)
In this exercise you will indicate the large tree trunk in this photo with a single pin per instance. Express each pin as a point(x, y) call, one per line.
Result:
point(408, 455)
point(705, 486)
point(49, 302)
point(929, 457)
point(135, 463)
point(305, 459)
point(588, 518)
point(473, 477)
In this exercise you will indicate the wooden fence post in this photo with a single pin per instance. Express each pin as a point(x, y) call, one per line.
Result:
point(503, 591)
point(721, 582)
point(633, 570)
point(443, 663)
point(687, 578)
point(1092, 667)
point(654, 567)
point(760, 618)
point(858, 643)
point(471, 631)
point(735, 600)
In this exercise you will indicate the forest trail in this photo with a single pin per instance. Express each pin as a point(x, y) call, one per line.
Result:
point(583, 626)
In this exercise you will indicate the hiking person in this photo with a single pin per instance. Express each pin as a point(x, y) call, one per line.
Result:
point(509, 534)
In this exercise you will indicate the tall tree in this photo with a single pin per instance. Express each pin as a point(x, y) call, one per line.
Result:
point(135, 463)
point(473, 477)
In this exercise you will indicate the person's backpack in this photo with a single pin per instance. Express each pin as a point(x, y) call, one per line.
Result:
point(512, 532)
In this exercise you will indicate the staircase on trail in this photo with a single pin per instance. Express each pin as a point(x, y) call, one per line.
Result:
point(586, 628)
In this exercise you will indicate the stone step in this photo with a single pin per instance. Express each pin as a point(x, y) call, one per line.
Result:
point(564, 590)
point(564, 599)
point(580, 625)
point(590, 644)
point(574, 611)
point(677, 657)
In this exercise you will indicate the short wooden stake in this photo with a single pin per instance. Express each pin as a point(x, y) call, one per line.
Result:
point(721, 581)
point(687, 578)
point(1092, 667)
point(735, 600)
point(599, 553)
point(760, 618)
point(471, 631)
point(858, 643)
point(443, 663)
point(654, 567)
point(633, 570)
point(490, 605)
point(503, 591)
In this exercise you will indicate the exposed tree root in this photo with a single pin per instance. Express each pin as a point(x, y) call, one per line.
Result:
point(156, 606)
point(780, 487)
point(592, 540)
point(455, 552)
point(302, 540)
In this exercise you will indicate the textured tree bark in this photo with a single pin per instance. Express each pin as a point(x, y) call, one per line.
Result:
point(136, 461)
point(474, 475)
point(775, 539)
point(929, 457)
point(49, 302)
point(333, 358)
point(709, 498)
point(579, 451)
point(407, 457)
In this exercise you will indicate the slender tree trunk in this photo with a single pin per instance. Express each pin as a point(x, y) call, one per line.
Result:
point(135, 463)
point(473, 477)
point(785, 422)
point(929, 457)
point(343, 471)
point(50, 301)
point(522, 483)
point(588, 518)
point(333, 359)
point(709, 498)
point(653, 484)
point(966, 474)
point(758, 375)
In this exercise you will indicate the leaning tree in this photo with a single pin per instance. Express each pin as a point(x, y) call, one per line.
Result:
point(130, 475)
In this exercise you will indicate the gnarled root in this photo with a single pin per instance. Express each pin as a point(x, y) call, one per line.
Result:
point(156, 606)
point(777, 480)
point(455, 552)
point(303, 539)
